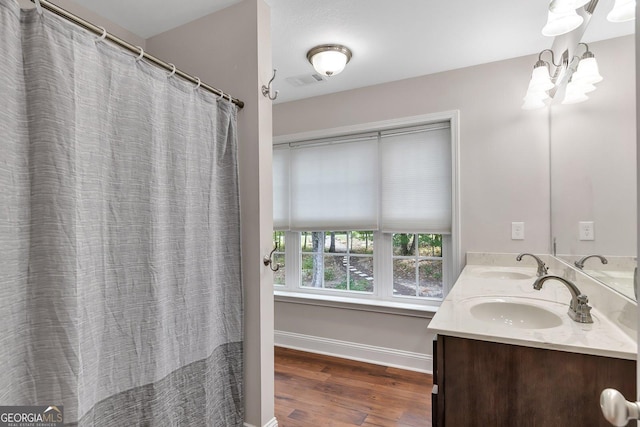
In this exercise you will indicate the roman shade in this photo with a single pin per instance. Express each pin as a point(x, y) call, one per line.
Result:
point(393, 181)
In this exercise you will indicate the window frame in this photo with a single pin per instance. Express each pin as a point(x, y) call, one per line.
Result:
point(383, 274)
point(446, 285)
point(324, 254)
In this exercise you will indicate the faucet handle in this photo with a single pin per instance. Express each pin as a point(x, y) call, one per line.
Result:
point(582, 310)
point(542, 267)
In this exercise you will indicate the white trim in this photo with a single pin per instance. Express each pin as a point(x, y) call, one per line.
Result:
point(455, 260)
point(456, 241)
point(354, 351)
point(271, 423)
point(357, 303)
point(370, 127)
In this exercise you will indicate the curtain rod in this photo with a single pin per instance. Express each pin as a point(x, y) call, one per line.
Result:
point(135, 49)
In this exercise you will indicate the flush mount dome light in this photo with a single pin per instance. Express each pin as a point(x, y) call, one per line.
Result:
point(329, 59)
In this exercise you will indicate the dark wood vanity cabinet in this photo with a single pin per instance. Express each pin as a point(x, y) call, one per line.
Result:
point(480, 383)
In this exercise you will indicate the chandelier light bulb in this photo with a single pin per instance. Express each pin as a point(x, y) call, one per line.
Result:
point(534, 99)
point(562, 22)
point(574, 94)
point(623, 10)
point(540, 79)
point(587, 71)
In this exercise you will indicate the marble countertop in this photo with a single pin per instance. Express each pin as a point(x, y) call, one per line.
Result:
point(478, 283)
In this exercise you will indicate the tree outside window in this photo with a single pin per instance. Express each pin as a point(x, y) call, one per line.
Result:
point(417, 265)
point(337, 260)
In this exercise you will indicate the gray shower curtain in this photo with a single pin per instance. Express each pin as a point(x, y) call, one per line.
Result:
point(120, 286)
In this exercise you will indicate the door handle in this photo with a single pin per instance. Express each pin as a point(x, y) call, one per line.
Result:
point(616, 409)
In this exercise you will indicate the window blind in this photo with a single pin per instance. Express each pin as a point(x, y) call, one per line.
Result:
point(281, 188)
point(397, 180)
point(416, 180)
point(334, 186)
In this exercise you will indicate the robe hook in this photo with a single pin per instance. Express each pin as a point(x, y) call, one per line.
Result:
point(266, 90)
point(268, 261)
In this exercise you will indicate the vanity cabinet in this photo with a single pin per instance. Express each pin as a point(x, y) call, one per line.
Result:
point(480, 383)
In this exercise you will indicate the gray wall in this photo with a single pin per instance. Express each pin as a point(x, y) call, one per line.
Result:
point(504, 162)
point(504, 156)
point(94, 18)
point(593, 152)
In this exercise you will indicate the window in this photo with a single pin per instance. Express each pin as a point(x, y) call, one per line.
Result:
point(337, 260)
point(417, 265)
point(368, 215)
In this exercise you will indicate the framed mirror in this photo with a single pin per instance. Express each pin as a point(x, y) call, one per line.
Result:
point(593, 170)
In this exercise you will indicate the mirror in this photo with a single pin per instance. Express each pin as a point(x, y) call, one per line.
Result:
point(593, 170)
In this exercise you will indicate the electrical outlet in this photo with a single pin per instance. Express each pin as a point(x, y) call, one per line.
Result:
point(587, 231)
point(517, 231)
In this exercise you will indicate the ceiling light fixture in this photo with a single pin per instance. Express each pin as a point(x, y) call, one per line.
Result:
point(580, 74)
point(583, 75)
point(329, 59)
point(623, 10)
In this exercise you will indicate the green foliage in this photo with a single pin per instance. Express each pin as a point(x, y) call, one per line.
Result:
point(278, 239)
point(361, 285)
point(431, 271)
point(305, 241)
point(307, 262)
point(430, 244)
point(329, 274)
point(362, 242)
point(404, 244)
point(358, 285)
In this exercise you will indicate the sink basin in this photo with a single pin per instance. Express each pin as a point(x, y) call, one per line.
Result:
point(504, 275)
point(514, 313)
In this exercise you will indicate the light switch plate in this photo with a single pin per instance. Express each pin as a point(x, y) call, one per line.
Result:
point(587, 231)
point(517, 231)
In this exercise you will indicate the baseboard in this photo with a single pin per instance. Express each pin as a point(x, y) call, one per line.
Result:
point(348, 350)
point(272, 423)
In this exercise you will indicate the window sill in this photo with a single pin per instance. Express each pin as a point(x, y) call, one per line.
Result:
point(348, 303)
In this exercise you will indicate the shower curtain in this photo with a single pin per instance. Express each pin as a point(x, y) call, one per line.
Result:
point(120, 284)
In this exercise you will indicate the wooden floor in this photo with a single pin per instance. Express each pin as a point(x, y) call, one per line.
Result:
point(316, 391)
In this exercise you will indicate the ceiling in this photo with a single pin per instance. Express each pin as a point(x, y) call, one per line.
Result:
point(390, 40)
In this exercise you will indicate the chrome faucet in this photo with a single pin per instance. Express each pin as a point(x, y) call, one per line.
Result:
point(580, 263)
point(579, 309)
point(542, 268)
